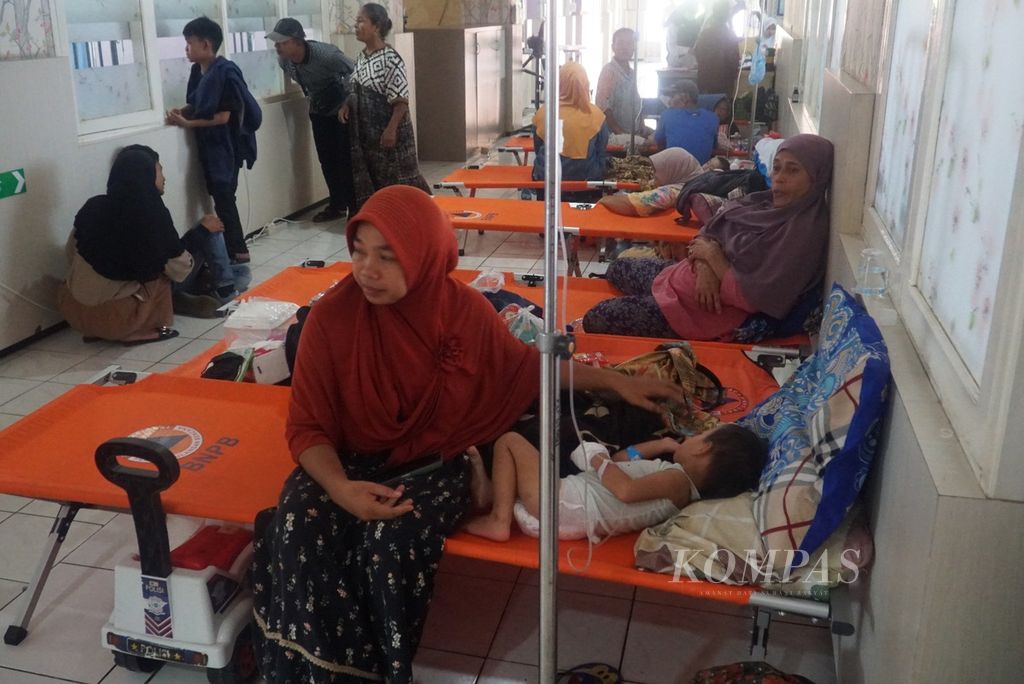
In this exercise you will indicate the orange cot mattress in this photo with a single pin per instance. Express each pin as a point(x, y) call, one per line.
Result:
point(228, 437)
point(524, 143)
point(528, 217)
point(498, 177)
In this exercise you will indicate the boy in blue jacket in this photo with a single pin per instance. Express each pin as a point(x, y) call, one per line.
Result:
point(225, 116)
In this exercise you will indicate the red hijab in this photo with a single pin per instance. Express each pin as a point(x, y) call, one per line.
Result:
point(435, 372)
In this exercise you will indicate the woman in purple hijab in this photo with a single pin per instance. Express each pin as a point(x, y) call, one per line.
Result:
point(759, 254)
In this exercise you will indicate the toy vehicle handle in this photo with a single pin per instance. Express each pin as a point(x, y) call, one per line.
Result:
point(129, 478)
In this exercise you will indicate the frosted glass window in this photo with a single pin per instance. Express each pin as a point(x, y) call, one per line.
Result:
point(171, 17)
point(248, 24)
point(862, 40)
point(902, 111)
point(819, 17)
point(109, 57)
point(26, 31)
point(979, 141)
point(308, 13)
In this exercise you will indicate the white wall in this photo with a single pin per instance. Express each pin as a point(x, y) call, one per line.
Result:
point(38, 132)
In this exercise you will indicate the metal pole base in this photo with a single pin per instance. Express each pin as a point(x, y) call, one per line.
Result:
point(15, 635)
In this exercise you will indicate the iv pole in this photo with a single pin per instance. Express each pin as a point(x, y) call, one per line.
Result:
point(637, 102)
point(553, 347)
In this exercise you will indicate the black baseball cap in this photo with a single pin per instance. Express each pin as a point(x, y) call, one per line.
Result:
point(286, 29)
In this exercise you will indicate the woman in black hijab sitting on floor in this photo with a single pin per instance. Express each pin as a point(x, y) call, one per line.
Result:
point(124, 254)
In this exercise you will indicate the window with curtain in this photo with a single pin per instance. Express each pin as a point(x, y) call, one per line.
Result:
point(968, 211)
point(249, 21)
point(903, 98)
point(108, 54)
point(171, 17)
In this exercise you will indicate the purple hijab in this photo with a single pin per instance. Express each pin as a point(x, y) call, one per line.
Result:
point(779, 254)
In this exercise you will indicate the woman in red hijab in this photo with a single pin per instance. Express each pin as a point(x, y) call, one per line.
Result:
point(398, 362)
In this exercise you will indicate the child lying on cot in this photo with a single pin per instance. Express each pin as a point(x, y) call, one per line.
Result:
point(614, 494)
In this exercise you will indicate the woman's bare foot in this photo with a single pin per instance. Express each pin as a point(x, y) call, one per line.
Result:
point(489, 527)
point(481, 491)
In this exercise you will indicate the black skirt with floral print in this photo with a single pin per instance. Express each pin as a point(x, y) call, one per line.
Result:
point(342, 600)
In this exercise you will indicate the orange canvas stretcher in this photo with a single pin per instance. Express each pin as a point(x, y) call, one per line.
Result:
point(502, 177)
point(229, 439)
point(528, 217)
point(524, 144)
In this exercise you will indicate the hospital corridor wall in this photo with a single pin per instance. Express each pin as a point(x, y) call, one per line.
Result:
point(39, 133)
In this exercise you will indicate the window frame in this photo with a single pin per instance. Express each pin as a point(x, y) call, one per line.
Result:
point(978, 409)
point(154, 116)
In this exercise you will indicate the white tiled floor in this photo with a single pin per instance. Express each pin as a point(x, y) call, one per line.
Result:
point(483, 624)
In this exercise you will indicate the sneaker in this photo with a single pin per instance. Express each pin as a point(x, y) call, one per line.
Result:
point(328, 214)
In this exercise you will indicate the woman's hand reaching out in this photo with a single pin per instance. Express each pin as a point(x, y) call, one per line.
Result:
point(212, 224)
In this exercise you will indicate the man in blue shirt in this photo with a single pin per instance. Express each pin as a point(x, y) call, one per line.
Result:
point(686, 125)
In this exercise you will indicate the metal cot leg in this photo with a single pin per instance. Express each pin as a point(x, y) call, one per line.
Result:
point(16, 633)
point(760, 623)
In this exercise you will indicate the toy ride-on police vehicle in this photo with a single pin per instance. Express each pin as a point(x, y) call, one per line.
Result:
point(189, 606)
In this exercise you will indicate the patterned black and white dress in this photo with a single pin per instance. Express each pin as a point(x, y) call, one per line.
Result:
point(378, 82)
point(337, 599)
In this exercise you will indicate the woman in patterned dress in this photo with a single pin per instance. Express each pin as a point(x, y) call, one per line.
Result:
point(397, 362)
point(383, 142)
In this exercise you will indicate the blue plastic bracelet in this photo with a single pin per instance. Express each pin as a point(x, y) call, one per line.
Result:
point(633, 453)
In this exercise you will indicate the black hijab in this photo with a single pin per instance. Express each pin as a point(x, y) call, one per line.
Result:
point(128, 233)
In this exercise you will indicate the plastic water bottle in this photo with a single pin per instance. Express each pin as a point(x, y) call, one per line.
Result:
point(871, 274)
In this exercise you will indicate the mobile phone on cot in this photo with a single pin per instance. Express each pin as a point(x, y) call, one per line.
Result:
point(417, 468)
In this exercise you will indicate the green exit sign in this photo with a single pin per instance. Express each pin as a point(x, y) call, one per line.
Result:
point(12, 183)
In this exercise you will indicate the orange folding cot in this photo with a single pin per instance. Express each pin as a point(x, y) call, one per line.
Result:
point(504, 177)
point(523, 144)
point(229, 440)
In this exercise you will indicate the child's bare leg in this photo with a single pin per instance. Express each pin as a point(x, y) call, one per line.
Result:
point(481, 491)
point(510, 451)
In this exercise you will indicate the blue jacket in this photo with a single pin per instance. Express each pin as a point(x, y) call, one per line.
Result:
point(223, 149)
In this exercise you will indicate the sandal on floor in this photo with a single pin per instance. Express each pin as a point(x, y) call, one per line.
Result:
point(591, 673)
point(164, 333)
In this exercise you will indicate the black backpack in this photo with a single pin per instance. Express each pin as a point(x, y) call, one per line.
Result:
point(720, 184)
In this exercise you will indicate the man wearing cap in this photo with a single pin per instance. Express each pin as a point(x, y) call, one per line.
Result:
point(686, 125)
point(322, 71)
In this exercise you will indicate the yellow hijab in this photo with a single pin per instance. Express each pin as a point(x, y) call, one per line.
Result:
point(581, 120)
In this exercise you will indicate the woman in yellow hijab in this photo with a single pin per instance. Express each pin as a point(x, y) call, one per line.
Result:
point(584, 151)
